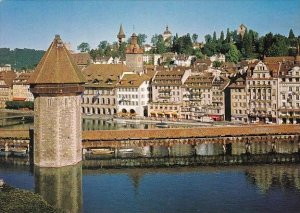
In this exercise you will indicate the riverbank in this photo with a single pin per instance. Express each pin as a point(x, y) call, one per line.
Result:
point(14, 200)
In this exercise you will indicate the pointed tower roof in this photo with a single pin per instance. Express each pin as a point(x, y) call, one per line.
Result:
point(121, 33)
point(134, 47)
point(57, 66)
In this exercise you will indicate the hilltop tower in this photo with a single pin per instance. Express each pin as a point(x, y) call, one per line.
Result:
point(241, 30)
point(167, 33)
point(56, 86)
point(134, 55)
point(121, 35)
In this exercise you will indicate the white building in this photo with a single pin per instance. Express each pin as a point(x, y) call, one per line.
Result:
point(218, 57)
point(289, 96)
point(133, 94)
point(261, 90)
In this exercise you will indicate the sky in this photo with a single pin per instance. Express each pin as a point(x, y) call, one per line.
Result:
point(34, 23)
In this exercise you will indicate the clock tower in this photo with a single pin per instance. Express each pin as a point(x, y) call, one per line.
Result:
point(134, 56)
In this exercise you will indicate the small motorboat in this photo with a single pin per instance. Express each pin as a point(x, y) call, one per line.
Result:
point(126, 150)
point(162, 125)
point(101, 151)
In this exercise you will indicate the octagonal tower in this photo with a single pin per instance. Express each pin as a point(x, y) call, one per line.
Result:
point(57, 85)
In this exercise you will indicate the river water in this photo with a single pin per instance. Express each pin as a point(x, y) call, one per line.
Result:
point(103, 184)
point(256, 188)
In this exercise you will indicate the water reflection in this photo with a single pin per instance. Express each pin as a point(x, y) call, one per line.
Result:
point(180, 189)
point(60, 187)
point(266, 177)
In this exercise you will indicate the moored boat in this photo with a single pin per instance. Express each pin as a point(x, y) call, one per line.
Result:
point(162, 125)
point(101, 151)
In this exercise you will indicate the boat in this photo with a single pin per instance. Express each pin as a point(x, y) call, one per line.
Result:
point(101, 151)
point(19, 151)
point(162, 125)
point(126, 150)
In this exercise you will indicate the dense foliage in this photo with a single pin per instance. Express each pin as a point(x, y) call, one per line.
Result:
point(15, 200)
point(19, 105)
point(111, 50)
point(21, 59)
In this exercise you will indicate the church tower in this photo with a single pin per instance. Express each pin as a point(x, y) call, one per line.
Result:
point(56, 85)
point(121, 35)
point(134, 55)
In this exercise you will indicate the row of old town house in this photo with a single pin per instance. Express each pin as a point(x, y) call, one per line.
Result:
point(251, 91)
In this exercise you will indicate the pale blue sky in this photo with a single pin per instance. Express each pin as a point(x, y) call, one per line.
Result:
point(33, 24)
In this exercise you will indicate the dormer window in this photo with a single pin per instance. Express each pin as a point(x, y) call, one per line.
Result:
point(109, 81)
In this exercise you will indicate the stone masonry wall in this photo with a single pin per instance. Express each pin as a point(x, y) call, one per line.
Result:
point(57, 135)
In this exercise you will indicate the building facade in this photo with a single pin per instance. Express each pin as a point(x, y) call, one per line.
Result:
point(133, 95)
point(262, 97)
point(289, 96)
point(100, 95)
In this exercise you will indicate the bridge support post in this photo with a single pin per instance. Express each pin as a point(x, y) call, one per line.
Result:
point(31, 145)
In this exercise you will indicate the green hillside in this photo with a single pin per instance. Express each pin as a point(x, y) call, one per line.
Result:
point(21, 58)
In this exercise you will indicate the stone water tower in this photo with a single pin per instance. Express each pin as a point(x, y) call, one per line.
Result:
point(134, 56)
point(57, 86)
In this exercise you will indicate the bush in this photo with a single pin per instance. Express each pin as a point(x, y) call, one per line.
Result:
point(15, 200)
point(19, 105)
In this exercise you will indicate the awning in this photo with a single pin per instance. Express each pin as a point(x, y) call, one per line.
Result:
point(18, 99)
point(215, 116)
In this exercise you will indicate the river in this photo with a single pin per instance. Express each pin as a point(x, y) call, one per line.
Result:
point(256, 188)
point(103, 184)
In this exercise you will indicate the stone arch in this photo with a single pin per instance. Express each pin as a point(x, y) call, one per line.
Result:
point(132, 111)
point(82, 110)
point(103, 111)
point(115, 110)
point(108, 101)
point(124, 110)
point(99, 111)
point(108, 111)
point(103, 101)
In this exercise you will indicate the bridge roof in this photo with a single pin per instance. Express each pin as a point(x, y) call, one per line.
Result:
point(191, 132)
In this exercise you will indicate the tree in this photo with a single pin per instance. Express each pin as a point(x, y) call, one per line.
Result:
point(209, 49)
point(222, 36)
point(248, 44)
point(217, 64)
point(122, 49)
point(103, 45)
point(214, 37)
point(228, 36)
point(93, 54)
point(233, 54)
point(194, 38)
point(279, 46)
point(141, 38)
point(197, 52)
point(159, 44)
point(208, 38)
point(83, 47)
point(291, 35)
